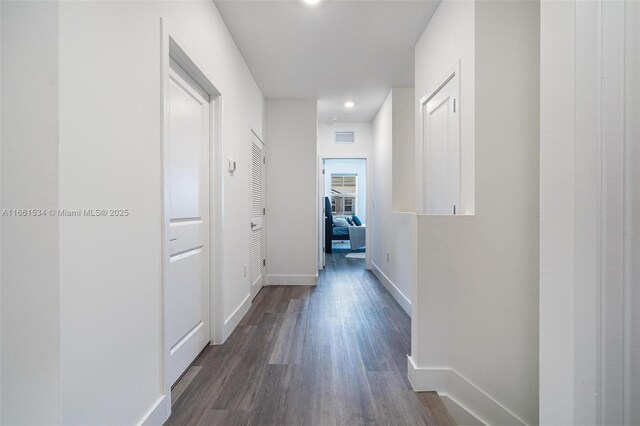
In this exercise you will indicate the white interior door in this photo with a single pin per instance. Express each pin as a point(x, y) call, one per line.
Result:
point(257, 215)
point(188, 316)
point(442, 151)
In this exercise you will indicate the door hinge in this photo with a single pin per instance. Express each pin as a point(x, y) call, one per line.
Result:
point(264, 262)
point(454, 209)
point(322, 171)
point(454, 104)
point(264, 211)
point(264, 160)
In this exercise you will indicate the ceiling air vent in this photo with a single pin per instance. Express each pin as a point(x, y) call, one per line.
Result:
point(345, 137)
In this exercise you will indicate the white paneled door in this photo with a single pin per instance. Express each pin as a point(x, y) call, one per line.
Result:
point(257, 215)
point(442, 150)
point(187, 180)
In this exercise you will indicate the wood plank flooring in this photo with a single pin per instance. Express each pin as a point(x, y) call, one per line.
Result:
point(334, 354)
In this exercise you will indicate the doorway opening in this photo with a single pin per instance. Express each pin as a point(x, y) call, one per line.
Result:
point(344, 189)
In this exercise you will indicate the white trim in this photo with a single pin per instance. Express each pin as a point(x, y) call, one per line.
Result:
point(427, 379)
point(402, 300)
point(234, 319)
point(158, 413)
point(448, 382)
point(321, 216)
point(460, 416)
point(292, 280)
point(587, 147)
point(613, 242)
point(216, 228)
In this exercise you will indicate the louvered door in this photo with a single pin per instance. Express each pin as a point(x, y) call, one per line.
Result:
point(257, 215)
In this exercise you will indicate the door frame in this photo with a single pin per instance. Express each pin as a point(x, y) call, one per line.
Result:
point(321, 159)
point(171, 47)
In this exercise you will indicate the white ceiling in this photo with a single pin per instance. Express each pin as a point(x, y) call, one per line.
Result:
point(333, 51)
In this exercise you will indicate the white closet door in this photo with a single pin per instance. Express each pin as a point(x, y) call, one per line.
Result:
point(442, 151)
point(257, 215)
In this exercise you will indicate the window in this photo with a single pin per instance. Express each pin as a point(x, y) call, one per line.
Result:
point(344, 190)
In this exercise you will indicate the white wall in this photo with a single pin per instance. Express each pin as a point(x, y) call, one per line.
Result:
point(589, 299)
point(102, 334)
point(403, 151)
point(392, 233)
point(360, 148)
point(349, 166)
point(475, 305)
point(30, 307)
point(447, 39)
point(632, 212)
point(292, 196)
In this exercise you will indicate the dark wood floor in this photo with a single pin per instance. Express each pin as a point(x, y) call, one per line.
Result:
point(334, 354)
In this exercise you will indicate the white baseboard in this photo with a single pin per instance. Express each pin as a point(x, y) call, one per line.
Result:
point(460, 416)
point(391, 287)
point(158, 413)
point(292, 279)
point(234, 319)
point(464, 394)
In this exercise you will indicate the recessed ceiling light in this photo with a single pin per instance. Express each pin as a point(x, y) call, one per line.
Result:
point(349, 104)
point(311, 2)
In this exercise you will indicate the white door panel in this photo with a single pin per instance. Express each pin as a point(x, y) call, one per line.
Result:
point(185, 154)
point(188, 315)
point(438, 131)
point(184, 292)
point(187, 235)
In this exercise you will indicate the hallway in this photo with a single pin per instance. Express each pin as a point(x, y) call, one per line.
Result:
point(331, 354)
